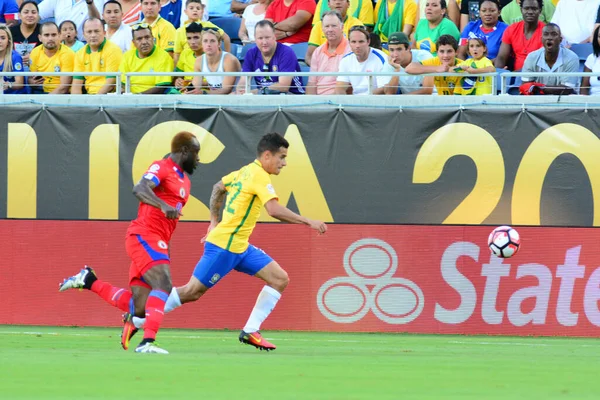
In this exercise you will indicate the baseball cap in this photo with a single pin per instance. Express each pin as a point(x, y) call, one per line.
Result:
point(398, 38)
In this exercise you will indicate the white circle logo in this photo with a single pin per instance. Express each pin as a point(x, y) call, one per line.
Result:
point(370, 262)
point(162, 244)
point(182, 192)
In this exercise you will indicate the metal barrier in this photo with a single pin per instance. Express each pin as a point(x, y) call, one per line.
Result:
point(125, 78)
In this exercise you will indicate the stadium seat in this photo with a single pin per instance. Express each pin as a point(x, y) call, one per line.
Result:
point(300, 50)
point(582, 50)
point(236, 50)
point(513, 88)
point(245, 49)
point(231, 26)
point(499, 80)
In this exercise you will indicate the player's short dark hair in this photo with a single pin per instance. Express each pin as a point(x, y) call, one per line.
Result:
point(112, 2)
point(188, 2)
point(23, 4)
point(540, 4)
point(194, 27)
point(271, 142)
point(181, 140)
point(445, 40)
point(90, 19)
point(50, 23)
point(263, 23)
point(496, 2)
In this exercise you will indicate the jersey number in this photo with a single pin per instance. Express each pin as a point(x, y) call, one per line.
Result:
point(238, 189)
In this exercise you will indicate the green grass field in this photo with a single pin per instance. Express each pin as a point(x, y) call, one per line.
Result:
point(78, 363)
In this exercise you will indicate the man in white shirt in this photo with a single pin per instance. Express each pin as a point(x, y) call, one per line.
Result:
point(400, 55)
point(116, 31)
point(576, 19)
point(362, 59)
point(74, 10)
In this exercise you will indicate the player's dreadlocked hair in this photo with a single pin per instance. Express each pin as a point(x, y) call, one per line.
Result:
point(271, 142)
point(180, 140)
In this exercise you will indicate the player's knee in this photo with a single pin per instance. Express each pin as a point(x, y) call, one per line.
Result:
point(280, 281)
point(191, 292)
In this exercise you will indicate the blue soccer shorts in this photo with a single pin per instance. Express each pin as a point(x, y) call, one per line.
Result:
point(216, 263)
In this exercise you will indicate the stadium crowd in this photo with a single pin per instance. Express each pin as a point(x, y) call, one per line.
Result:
point(469, 37)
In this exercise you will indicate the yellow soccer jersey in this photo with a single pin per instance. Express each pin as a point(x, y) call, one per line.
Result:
point(361, 9)
point(106, 59)
point(317, 37)
point(157, 61)
point(186, 62)
point(248, 190)
point(445, 84)
point(475, 85)
point(409, 14)
point(164, 33)
point(61, 61)
point(181, 37)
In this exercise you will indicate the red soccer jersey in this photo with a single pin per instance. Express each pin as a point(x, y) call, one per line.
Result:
point(173, 187)
point(278, 11)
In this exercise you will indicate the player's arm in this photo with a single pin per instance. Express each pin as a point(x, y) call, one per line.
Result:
point(284, 214)
point(144, 192)
point(217, 197)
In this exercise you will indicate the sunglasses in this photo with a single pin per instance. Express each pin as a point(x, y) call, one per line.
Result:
point(141, 25)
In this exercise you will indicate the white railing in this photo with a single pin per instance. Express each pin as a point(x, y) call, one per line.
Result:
point(125, 78)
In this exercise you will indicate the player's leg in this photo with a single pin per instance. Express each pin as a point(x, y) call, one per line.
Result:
point(159, 279)
point(87, 279)
point(257, 263)
point(141, 291)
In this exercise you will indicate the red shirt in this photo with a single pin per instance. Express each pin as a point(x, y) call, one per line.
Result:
point(173, 187)
point(278, 11)
point(515, 36)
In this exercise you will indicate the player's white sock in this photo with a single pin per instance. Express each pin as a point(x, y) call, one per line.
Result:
point(138, 322)
point(173, 301)
point(265, 303)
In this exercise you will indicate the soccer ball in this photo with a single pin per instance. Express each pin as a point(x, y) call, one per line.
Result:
point(504, 242)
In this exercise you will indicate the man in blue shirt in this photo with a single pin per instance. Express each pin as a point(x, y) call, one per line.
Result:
point(270, 56)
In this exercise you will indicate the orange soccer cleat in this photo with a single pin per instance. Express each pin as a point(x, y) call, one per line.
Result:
point(255, 339)
point(129, 330)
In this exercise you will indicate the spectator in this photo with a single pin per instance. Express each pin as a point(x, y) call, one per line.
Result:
point(76, 11)
point(435, 25)
point(220, 9)
point(292, 19)
point(238, 7)
point(591, 85)
point(317, 37)
point(362, 59)
point(375, 41)
point(390, 19)
point(194, 9)
point(478, 63)
point(10, 61)
point(214, 60)
point(26, 34)
point(98, 55)
point(400, 56)
point(162, 30)
point(470, 11)
point(252, 14)
point(116, 30)
point(187, 58)
point(68, 35)
point(146, 57)
point(171, 11)
point(445, 61)
point(521, 38)
point(487, 27)
point(512, 14)
point(9, 10)
point(576, 19)
point(551, 58)
point(132, 11)
point(51, 56)
point(327, 57)
point(271, 56)
point(361, 9)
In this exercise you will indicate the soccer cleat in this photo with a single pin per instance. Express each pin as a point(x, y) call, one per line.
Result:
point(150, 347)
point(129, 330)
point(83, 280)
point(255, 339)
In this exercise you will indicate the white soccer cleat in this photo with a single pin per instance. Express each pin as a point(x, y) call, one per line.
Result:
point(150, 347)
point(77, 281)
